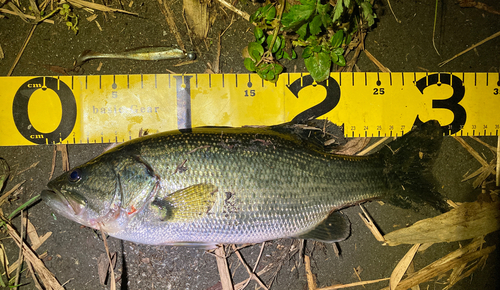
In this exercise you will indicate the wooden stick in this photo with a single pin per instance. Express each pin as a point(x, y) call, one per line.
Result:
point(470, 48)
point(243, 14)
point(311, 283)
point(45, 275)
point(225, 276)
point(342, 286)
point(82, 3)
point(3, 10)
point(112, 281)
point(498, 163)
point(169, 16)
point(373, 146)
point(380, 66)
point(22, 50)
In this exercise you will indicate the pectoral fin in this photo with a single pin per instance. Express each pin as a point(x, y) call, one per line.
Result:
point(187, 204)
point(336, 227)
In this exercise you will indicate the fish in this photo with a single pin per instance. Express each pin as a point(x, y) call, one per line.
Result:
point(208, 186)
point(143, 53)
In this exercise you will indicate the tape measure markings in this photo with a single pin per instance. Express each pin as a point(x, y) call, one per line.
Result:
point(381, 106)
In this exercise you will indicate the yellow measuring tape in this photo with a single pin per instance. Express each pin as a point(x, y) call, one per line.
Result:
point(114, 108)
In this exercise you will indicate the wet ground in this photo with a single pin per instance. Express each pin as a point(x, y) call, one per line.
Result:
point(73, 251)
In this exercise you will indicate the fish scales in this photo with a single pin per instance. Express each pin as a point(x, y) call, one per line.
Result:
point(278, 187)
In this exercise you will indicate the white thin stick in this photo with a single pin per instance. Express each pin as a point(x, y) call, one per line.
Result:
point(470, 48)
point(243, 14)
point(3, 10)
point(498, 163)
point(397, 20)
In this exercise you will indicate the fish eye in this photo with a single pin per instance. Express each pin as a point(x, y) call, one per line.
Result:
point(75, 175)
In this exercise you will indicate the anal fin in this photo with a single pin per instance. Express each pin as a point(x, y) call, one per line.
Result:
point(336, 227)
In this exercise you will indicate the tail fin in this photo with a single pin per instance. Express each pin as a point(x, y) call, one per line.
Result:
point(408, 162)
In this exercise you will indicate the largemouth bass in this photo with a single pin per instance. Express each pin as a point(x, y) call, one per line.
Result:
point(238, 185)
point(143, 53)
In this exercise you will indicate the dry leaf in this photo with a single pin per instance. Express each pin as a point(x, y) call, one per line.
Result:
point(402, 266)
point(469, 220)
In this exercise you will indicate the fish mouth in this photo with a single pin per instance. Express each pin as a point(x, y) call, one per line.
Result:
point(63, 203)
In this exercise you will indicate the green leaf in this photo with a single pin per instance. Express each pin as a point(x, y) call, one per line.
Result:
point(337, 38)
point(277, 43)
point(323, 8)
point(255, 50)
point(270, 75)
point(249, 64)
point(318, 66)
point(368, 13)
point(337, 11)
point(286, 55)
point(258, 33)
point(297, 15)
point(315, 25)
point(338, 51)
point(302, 31)
point(341, 61)
point(347, 39)
point(324, 12)
point(316, 48)
point(307, 52)
point(262, 39)
point(294, 54)
point(347, 3)
point(334, 57)
point(271, 13)
point(278, 68)
point(280, 54)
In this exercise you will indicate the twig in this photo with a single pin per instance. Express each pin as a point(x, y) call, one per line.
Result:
point(498, 163)
point(112, 285)
point(371, 225)
point(45, 275)
point(434, 27)
point(3, 10)
point(397, 20)
point(169, 16)
point(225, 276)
point(252, 274)
point(311, 283)
point(258, 258)
point(6, 195)
point(26, 169)
point(33, 276)
point(380, 66)
point(20, 253)
point(470, 48)
point(243, 14)
point(342, 286)
point(81, 3)
point(373, 146)
point(22, 50)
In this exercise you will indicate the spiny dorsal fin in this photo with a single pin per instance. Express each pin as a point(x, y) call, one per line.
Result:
point(336, 227)
point(186, 204)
